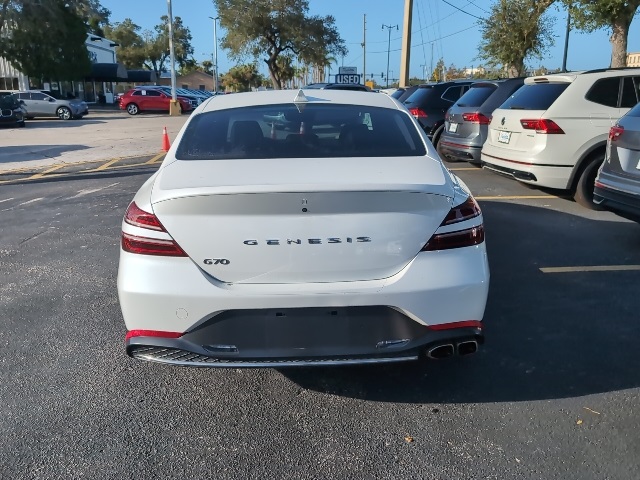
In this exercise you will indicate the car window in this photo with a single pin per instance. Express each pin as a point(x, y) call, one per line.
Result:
point(25, 96)
point(536, 96)
point(38, 96)
point(420, 95)
point(319, 131)
point(605, 92)
point(629, 92)
point(137, 93)
point(153, 93)
point(476, 95)
point(452, 94)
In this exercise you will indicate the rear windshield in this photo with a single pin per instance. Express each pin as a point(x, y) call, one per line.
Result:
point(420, 95)
point(476, 95)
point(317, 131)
point(537, 96)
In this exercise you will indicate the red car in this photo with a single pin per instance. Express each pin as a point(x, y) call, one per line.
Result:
point(142, 100)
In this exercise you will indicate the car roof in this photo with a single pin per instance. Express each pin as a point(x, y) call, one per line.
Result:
point(276, 97)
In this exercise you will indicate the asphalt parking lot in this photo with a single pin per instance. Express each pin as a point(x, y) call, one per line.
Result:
point(554, 393)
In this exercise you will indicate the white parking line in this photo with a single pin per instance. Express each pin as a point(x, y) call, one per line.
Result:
point(31, 201)
point(593, 268)
point(6, 200)
point(93, 190)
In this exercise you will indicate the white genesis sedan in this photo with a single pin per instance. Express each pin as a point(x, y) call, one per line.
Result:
point(312, 227)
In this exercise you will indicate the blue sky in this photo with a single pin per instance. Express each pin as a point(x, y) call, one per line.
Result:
point(453, 34)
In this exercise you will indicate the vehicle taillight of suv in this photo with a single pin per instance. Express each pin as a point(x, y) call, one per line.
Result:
point(552, 132)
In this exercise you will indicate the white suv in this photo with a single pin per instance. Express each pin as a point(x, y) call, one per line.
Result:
point(552, 132)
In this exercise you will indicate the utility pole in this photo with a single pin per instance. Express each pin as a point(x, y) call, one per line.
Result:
point(406, 44)
point(424, 72)
point(389, 27)
point(174, 106)
point(566, 39)
point(364, 49)
point(215, 53)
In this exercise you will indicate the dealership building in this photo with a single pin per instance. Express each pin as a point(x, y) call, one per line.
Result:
point(106, 77)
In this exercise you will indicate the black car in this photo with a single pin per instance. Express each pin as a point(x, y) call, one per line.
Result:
point(429, 104)
point(402, 93)
point(12, 112)
point(339, 86)
point(467, 121)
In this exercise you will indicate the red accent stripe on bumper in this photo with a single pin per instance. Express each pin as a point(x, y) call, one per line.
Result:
point(463, 324)
point(152, 333)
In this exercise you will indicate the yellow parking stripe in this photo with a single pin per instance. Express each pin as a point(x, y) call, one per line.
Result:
point(46, 172)
point(104, 166)
point(156, 158)
point(515, 197)
point(594, 268)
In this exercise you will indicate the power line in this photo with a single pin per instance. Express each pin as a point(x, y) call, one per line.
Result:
point(432, 41)
point(463, 11)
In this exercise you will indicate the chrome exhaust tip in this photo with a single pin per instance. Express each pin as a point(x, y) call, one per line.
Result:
point(467, 348)
point(441, 351)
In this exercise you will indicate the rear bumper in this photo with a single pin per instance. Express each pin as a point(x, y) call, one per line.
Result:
point(544, 175)
point(621, 203)
point(272, 346)
point(460, 152)
point(293, 323)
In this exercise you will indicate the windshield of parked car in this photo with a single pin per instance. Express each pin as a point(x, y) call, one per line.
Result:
point(318, 131)
point(476, 95)
point(536, 96)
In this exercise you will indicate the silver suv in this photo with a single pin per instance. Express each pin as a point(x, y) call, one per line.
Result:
point(41, 104)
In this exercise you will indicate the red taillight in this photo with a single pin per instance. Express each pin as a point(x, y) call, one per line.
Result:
point(541, 125)
point(462, 238)
point(151, 246)
point(152, 333)
point(615, 132)
point(139, 218)
point(476, 117)
point(417, 112)
point(462, 212)
point(147, 245)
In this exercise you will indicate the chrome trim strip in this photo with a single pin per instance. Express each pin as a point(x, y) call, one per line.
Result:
point(276, 363)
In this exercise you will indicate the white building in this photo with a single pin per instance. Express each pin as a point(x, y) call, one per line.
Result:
point(98, 86)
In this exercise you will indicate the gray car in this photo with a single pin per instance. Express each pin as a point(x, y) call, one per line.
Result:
point(41, 104)
point(617, 185)
point(467, 121)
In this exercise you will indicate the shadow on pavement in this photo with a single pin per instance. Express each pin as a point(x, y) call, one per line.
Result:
point(11, 154)
point(55, 123)
point(552, 335)
point(74, 176)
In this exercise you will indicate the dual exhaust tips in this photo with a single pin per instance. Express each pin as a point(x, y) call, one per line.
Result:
point(466, 347)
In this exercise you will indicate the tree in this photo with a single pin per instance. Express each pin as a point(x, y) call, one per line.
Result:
point(45, 38)
point(131, 52)
point(514, 31)
point(276, 27)
point(242, 77)
point(438, 72)
point(615, 15)
point(156, 48)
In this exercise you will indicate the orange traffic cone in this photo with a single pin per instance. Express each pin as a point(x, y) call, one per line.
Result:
point(165, 140)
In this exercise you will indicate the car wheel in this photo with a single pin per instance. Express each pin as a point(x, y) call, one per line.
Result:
point(586, 183)
point(132, 109)
point(64, 113)
point(22, 124)
point(436, 136)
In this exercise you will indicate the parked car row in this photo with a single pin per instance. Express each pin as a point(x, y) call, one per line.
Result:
point(29, 104)
point(157, 98)
point(561, 131)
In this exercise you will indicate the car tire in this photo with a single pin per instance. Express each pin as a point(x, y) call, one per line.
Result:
point(437, 135)
point(22, 124)
point(132, 109)
point(64, 113)
point(583, 194)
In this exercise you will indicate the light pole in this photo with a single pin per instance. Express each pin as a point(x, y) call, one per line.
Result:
point(215, 53)
point(389, 27)
point(174, 106)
